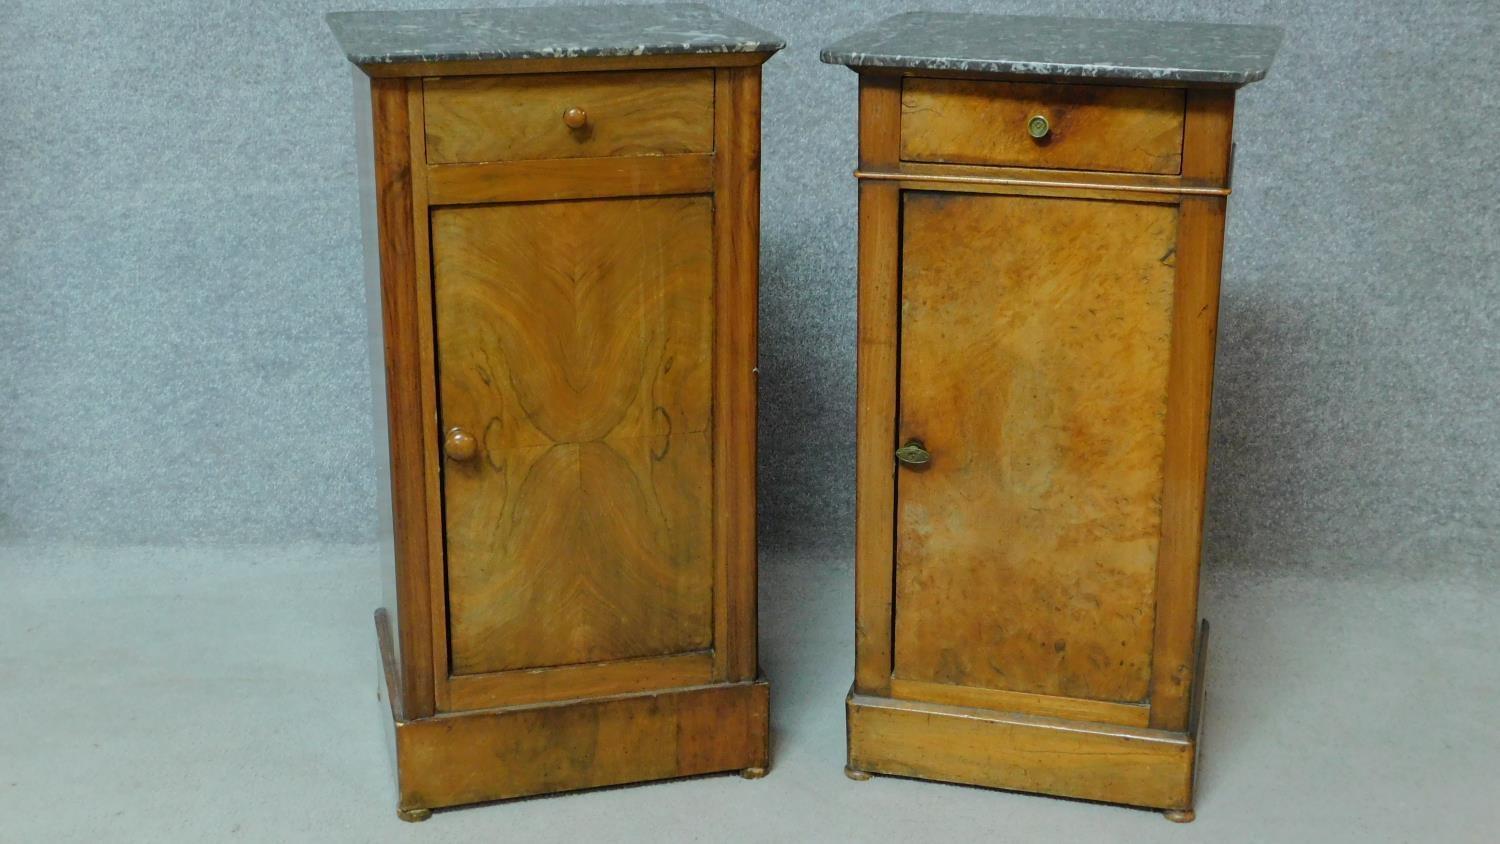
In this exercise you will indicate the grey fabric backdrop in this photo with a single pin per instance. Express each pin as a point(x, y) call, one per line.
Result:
point(182, 330)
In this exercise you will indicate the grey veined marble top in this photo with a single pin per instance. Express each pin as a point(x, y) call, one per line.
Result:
point(1203, 53)
point(440, 35)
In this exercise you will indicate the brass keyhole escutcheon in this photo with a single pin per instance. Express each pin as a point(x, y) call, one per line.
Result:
point(1038, 126)
point(459, 445)
point(913, 454)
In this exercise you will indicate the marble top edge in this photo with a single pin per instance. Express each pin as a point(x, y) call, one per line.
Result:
point(534, 32)
point(1095, 48)
point(1035, 68)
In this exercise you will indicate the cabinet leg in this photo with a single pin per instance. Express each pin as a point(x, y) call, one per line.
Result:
point(752, 773)
point(1179, 815)
point(857, 776)
point(413, 815)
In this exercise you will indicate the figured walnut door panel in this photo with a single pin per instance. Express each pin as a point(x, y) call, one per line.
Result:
point(1034, 348)
point(575, 342)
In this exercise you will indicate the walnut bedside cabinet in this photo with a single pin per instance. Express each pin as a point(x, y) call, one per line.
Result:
point(561, 222)
point(1041, 219)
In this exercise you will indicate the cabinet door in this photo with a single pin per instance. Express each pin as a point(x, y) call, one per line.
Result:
point(574, 341)
point(1035, 336)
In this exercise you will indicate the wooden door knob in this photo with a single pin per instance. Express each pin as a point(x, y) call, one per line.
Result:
point(460, 445)
point(575, 118)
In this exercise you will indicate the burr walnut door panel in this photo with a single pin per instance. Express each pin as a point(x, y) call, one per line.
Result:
point(574, 346)
point(1035, 334)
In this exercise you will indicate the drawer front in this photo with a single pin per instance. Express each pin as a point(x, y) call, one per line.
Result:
point(568, 115)
point(1087, 127)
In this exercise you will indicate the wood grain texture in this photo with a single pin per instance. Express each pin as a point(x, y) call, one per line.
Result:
point(1093, 127)
point(735, 358)
point(1036, 374)
point(497, 754)
point(467, 757)
point(1200, 249)
point(571, 178)
point(599, 598)
point(395, 286)
point(1000, 700)
point(498, 118)
point(364, 146)
point(1208, 136)
point(595, 679)
point(1055, 355)
point(879, 283)
point(577, 337)
point(437, 588)
point(1131, 765)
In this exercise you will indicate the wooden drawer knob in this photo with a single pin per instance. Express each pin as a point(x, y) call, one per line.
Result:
point(1038, 126)
point(460, 445)
point(575, 118)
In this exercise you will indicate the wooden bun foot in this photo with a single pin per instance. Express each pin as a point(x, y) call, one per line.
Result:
point(1179, 815)
point(857, 776)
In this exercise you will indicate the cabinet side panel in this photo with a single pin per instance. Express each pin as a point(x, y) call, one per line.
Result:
point(736, 296)
point(1200, 246)
point(395, 259)
point(364, 144)
point(879, 268)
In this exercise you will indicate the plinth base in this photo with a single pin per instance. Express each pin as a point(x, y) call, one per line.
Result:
point(457, 758)
point(1136, 766)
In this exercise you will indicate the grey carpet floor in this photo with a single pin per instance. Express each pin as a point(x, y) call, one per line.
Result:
point(228, 694)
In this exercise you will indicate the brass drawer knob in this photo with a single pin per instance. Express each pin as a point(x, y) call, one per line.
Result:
point(1037, 126)
point(575, 118)
point(913, 454)
point(460, 445)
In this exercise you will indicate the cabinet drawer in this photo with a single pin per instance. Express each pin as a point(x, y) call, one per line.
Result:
point(568, 115)
point(1086, 127)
